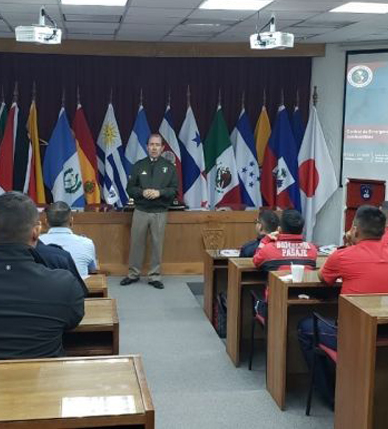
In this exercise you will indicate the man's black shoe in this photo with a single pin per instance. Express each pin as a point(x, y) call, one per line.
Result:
point(156, 284)
point(127, 281)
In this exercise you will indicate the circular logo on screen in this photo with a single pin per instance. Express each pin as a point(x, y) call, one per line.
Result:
point(360, 76)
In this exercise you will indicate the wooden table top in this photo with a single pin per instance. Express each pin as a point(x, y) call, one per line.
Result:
point(375, 305)
point(96, 282)
point(99, 312)
point(70, 388)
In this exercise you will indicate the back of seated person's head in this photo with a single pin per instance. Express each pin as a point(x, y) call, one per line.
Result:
point(269, 221)
point(369, 222)
point(19, 219)
point(291, 222)
point(58, 214)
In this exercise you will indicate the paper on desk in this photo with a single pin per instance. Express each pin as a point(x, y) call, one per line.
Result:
point(286, 278)
point(230, 253)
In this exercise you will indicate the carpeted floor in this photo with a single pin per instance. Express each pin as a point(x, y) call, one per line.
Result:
point(193, 383)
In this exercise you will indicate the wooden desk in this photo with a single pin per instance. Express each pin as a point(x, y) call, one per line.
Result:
point(98, 332)
point(75, 393)
point(241, 273)
point(362, 367)
point(215, 272)
point(97, 285)
point(281, 297)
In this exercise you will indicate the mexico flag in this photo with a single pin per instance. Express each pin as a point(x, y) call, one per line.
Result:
point(317, 179)
point(222, 177)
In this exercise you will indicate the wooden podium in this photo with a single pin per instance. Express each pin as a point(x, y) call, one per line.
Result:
point(360, 192)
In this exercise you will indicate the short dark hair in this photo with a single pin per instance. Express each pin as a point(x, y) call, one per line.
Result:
point(291, 222)
point(370, 221)
point(58, 214)
point(156, 135)
point(269, 219)
point(18, 215)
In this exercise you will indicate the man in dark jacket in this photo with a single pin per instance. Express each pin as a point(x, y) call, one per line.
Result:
point(153, 185)
point(37, 304)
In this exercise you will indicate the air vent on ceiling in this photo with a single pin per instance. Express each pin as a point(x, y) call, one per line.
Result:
point(114, 19)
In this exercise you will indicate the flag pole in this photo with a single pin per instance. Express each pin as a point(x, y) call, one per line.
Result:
point(188, 96)
point(111, 96)
point(169, 98)
point(243, 100)
point(63, 98)
point(33, 91)
point(78, 97)
point(297, 99)
point(315, 97)
point(282, 97)
point(15, 93)
point(141, 97)
point(219, 97)
point(2, 94)
point(264, 97)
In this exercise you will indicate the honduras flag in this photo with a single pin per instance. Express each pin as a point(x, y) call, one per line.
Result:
point(193, 164)
point(244, 147)
point(280, 166)
point(61, 168)
point(114, 178)
point(137, 144)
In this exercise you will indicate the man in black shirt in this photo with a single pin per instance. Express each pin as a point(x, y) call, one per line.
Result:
point(37, 304)
point(153, 185)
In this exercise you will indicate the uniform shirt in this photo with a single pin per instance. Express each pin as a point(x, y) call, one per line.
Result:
point(287, 249)
point(80, 248)
point(157, 174)
point(37, 305)
point(248, 249)
point(362, 267)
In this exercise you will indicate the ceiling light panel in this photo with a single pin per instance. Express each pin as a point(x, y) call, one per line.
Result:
point(253, 5)
point(360, 7)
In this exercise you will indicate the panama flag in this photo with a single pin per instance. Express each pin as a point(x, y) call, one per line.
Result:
point(246, 161)
point(61, 169)
point(316, 172)
point(171, 146)
point(297, 127)
point(222, 177)
point(280, 178)
point(137, 144)
point(193, 164)
point(114, 178)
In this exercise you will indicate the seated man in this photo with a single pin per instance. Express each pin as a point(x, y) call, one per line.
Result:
point(80, 248)
point(278, 250)
point(363, 268)
point(37, 304)
point(267, 222)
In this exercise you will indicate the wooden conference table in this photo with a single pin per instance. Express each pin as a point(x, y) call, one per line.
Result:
point(75, 393)
point(98, 332)
point(362, 367)
point(97, 285)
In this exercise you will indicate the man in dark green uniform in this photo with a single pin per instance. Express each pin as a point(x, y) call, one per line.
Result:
point(153, 185)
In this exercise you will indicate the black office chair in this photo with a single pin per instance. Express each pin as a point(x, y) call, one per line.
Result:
point(260, 319)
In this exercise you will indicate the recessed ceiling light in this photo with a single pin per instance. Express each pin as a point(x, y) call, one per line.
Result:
point(359, 7)
point(235, 4)
point(95, 2)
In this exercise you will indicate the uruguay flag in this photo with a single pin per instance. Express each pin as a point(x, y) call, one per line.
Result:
point(61, 168)
point(114, 178)
point(280, 180)
point(194, 185)
point(171, 146)
point(137, 144)
point(244, 147)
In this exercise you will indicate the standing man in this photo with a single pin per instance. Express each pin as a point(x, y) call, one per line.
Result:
point(153, 185)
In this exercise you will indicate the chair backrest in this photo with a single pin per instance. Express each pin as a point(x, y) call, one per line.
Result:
point(317, 317)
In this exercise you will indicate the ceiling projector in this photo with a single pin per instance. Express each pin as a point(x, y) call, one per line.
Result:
point(271, 39)
point(39, 33)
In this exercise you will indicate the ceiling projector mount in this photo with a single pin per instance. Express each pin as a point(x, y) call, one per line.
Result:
point(40, 33)
point(271, 39)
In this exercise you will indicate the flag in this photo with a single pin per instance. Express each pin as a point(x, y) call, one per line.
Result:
point(316, 172)
point(279, 176)
point(262, 133)
point(7, 152)
point(114, 178)
point(222, 177)
point(137, 143)
point(246, 161)
point(3, 119)
point(87, 157)
point(171, 146)
point(61, 169)
point(36, 164)
point(193, 164)
point(23, 180)
point(297, 127)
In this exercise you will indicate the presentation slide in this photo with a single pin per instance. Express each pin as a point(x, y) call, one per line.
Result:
point(365, 154)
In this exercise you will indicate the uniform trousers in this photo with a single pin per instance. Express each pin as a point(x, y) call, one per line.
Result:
point(141, 223)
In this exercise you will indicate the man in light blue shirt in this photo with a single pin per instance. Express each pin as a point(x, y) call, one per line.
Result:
point(81, 248)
